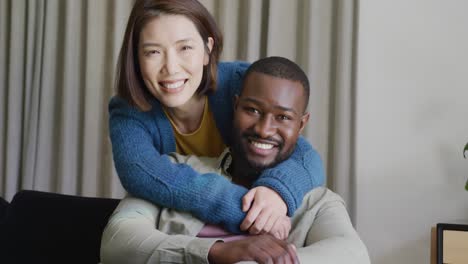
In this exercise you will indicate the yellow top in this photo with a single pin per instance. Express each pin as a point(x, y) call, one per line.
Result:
point(205, 141)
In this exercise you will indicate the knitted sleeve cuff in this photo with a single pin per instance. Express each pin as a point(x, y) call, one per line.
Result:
point(282, 189)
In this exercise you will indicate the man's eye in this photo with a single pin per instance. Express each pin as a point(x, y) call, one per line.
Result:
point(283, 117)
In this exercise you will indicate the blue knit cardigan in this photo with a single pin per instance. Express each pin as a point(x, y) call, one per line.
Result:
point(140, 140)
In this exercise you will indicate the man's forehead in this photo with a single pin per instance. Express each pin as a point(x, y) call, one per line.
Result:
point(281, 92)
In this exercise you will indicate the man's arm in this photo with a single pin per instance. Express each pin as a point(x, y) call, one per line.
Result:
point(131, 236)
point(329, 234)
point(261, 249)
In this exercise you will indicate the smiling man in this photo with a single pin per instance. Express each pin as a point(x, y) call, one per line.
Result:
point(269, 115)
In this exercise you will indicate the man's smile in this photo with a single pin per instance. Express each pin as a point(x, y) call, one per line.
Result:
point(256, 146)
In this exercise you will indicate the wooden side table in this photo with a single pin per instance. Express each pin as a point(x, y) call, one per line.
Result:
point(433, 245)
point(449, 243)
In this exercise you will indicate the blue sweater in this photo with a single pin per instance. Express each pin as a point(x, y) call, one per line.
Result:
point(140, 140)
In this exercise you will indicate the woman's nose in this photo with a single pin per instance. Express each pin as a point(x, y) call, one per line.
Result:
point(171, 65)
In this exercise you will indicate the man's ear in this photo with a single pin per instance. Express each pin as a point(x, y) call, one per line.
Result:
point(209, 45)
point(304, 120)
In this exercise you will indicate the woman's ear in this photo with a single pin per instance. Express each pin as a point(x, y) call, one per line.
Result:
point(209, 45)
point(235, 102)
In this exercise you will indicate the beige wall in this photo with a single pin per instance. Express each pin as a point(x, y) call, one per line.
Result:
point(412, 123)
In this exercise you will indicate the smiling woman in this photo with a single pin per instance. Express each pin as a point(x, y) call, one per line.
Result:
point(172, 63)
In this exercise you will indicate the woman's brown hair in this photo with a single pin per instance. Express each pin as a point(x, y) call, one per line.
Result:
point(129, 82)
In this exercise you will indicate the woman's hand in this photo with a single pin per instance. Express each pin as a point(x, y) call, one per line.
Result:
point(262, 249)
point(266, 213)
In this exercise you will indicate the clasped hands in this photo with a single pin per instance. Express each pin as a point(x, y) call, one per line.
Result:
point(266, 213)
point(266, 219)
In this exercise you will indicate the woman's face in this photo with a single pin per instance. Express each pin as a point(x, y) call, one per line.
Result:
point(171, 54)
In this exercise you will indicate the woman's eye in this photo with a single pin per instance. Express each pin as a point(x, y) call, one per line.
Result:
point(252, 110)
point(186, 47)
point(151, 52)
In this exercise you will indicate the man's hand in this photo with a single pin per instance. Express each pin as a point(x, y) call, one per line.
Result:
point(261, 248)
point(267, 214)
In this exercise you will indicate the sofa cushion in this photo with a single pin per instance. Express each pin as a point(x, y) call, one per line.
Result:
point(42, 227)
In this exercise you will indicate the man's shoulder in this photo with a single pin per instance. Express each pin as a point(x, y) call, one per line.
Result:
point(321, 195)
point(166, 220)
point(131, 206)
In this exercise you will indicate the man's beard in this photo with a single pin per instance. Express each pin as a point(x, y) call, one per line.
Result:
point(249, 166)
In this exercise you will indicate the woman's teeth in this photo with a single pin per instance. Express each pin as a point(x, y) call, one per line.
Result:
point(261, 145)
point(173, 85)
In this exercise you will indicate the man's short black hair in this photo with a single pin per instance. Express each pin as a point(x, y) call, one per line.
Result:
point(282, 68)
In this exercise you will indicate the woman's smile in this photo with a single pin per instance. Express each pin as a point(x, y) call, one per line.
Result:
point(173, 86)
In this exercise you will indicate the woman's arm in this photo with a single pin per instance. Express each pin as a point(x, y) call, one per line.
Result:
point(296, 176)
point(147, 174)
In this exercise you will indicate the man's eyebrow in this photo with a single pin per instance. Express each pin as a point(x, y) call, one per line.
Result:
point(154, 44)
point(286, 109)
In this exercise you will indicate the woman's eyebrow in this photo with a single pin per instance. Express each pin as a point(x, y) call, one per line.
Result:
point(150, 44)
point(184, 40)
point(155, 44)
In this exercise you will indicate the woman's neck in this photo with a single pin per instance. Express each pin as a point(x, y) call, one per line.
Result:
point(187, 117)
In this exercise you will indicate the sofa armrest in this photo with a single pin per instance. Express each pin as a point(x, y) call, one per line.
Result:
point(3, 208)
point(42, 227)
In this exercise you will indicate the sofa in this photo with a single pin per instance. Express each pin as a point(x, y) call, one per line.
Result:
point(42, 227)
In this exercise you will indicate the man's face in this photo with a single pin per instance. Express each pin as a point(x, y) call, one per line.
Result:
point(268, 119)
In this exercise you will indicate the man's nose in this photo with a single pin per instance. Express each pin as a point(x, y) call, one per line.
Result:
point(171, 65)
point(265, 127)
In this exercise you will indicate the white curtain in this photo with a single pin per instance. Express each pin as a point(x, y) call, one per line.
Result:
point(56, 76)
point(57, 62)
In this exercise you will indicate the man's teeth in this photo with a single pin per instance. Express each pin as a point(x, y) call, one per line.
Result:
point(173, 85)
point(262, 145)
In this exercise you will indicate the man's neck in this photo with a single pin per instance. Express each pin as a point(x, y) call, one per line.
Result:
point(242, 174)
